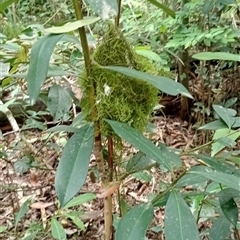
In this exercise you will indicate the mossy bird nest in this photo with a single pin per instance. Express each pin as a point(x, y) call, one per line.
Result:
point(119, 97)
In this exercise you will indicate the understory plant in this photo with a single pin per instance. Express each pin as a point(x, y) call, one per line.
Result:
point(119, 90)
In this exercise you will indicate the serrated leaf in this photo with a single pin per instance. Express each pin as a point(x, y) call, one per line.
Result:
point(164, 84)
point(134, 224)
point(23, 210)
point(226, 114)
point(140, 142)
point(223, 178)
point(228, 204)
point(104, 8)
point(217, 55)
point(179, 222)
point(39, 63)
point(59, 101)
point(71, 26)
point(73, 166)
point(80, 200)
point(220, 229)
point(57, 230)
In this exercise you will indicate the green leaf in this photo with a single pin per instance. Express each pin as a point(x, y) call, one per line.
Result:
point(149, 54)
point(124, 206)
point(169, 155)
point(104, 8)
point(220, 229)
point(73, 166)
point(217, 55)
point(80, 200)
point(219, 164)
point(57, 229)
point(218, 124)
point(190, 179)
point(3, 228)
point(140, 142)
point(164, 84)
point(23, 165)
point(39, 63)
point(71, 26)
point(228, 204)
point(237, 123)
point(4, 69)
point(223, 178)
point(59, 102)
point(134, 224)
point(139, 162)
point(230, 102)
point(23, 210)
point(226, 114)
point(63, 128)
point(179, 221)
point(5, 4)
point(166, 9)
point(76, 220)
point(142, 176)
point(221, 133)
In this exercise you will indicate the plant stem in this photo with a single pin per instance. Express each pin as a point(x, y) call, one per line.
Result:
point(88, 65)
point(117, 19)
point(98, 151)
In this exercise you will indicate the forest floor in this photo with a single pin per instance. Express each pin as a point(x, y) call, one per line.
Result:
point(37, 185)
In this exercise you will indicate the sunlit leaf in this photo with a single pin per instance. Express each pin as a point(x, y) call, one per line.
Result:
point(164, 84)
point(134, 224)
point(217, 55)
point(73, 166)
point(39, 63)
point(179, 222)
point(71, 26)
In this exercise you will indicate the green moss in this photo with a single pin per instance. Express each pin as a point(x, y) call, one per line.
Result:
point(120, 97)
